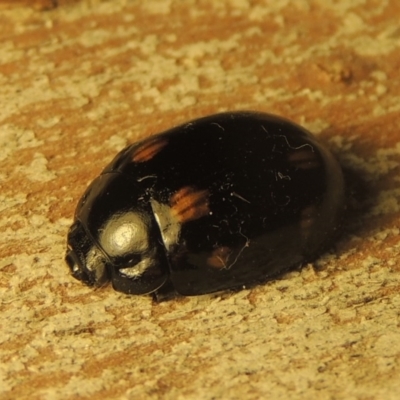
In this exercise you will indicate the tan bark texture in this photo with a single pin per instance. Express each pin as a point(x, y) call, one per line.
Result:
point(79, 80)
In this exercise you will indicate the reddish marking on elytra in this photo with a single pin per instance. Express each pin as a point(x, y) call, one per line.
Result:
point(147, 150)
point(189, 204)
point(303, 159)
point(219, 257)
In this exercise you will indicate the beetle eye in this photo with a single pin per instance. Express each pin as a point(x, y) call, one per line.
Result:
point(72, 262)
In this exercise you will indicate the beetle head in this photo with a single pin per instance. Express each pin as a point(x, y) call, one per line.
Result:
point(86, 262)
point(115, 237)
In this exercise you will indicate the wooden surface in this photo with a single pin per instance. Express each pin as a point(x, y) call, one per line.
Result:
point(81, 79)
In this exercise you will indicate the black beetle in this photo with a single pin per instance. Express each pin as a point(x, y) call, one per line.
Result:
point(220, 202)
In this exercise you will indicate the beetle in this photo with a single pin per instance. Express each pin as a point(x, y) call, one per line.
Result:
point(223, 201)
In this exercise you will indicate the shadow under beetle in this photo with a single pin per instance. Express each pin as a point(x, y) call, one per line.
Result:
point(219, 202)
